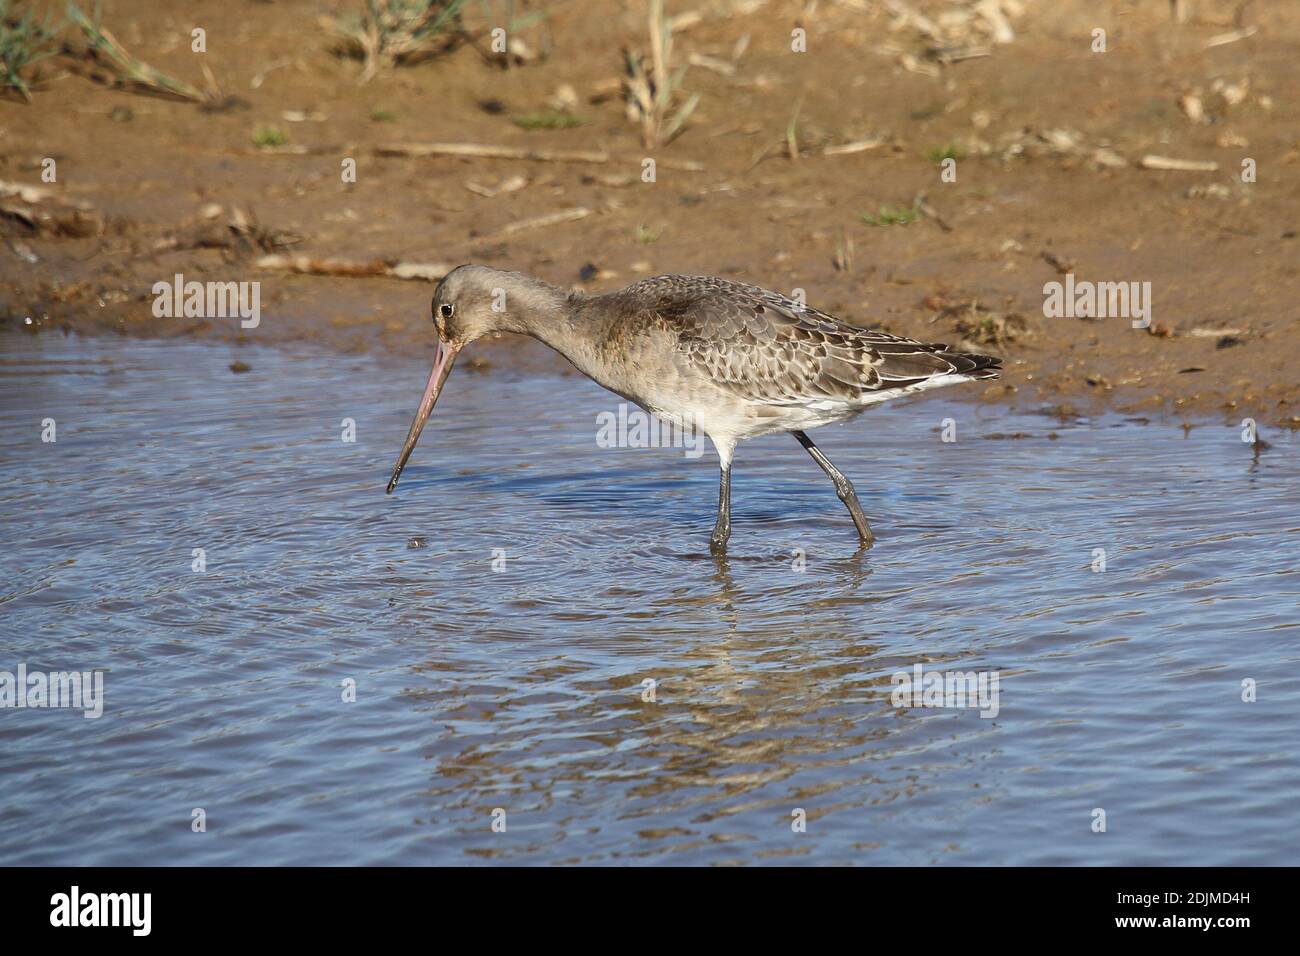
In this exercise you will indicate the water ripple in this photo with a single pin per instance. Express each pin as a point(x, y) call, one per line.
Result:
point(503, 663)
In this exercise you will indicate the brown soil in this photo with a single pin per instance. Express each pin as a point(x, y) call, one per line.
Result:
point(1033, 196)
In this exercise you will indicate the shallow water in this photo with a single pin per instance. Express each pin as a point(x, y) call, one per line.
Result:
point(521, 689)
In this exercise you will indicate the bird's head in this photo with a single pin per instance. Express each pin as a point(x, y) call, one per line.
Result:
point(468, 303)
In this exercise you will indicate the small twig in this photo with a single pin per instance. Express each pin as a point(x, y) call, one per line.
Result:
point(860, 146)
point(1223, 39)
point(1179, 165)
point(291, 149)
point(35, 194)
point(950, 55)
point(712, 63)
point(1062, 266)
point(374, 269)
point(905, 13)
point(60, 221)
point(481, 151)
point(485, 151)
point(242, 234)
point(507, 186)
point(537, 222)
point(922, 204)
point(260, 77)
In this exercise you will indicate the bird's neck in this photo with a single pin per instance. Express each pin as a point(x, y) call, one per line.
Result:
point(553, 316)
point(530, 306)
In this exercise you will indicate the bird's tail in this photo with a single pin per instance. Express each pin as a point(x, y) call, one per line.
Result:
point(973, 365)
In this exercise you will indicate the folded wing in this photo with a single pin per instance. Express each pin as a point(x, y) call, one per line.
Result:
point(769, 349)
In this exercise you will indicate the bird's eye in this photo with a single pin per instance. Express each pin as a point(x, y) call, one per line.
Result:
point(446, 310)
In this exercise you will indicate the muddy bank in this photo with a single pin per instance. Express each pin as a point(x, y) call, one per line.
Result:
point(795, 170)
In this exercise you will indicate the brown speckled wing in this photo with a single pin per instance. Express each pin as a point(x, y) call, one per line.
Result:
point(769, 349)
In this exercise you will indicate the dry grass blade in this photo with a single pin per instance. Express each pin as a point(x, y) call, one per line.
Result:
point(678, 122)
point(792, 132)
point(105, 49)
point(392, 31)
point(652, 88)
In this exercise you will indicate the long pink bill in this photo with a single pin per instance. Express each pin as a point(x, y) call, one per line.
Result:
point(442, 363)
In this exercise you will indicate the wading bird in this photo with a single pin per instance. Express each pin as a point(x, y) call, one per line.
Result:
point(732, 360)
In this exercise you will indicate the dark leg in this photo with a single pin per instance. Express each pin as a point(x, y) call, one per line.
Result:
point(843, 488)
point(722, 530)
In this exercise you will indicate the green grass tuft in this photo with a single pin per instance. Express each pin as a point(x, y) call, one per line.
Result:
point(265, 136)
point(550, 119)
point(23, 41)
point(892, 216)
point(938, 154)
point(393, 31)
